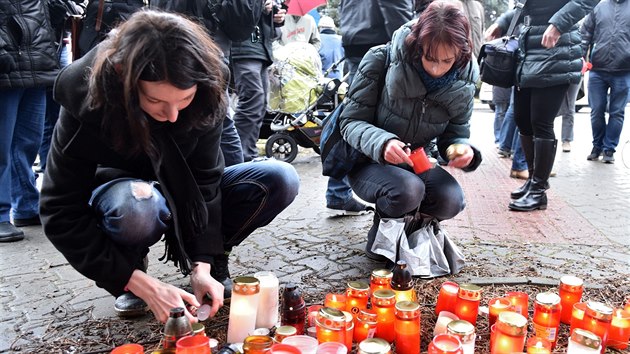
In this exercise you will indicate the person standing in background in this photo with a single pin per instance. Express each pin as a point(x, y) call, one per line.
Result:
point(567, 111)
point(501, 99)
point(300, 29)
point(331, 50)
point(475, 14)
point(606, 39)
point(28, 65)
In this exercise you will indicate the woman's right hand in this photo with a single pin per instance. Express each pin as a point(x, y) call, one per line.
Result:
point(397, 152)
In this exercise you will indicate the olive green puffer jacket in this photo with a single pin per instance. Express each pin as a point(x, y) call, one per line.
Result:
point(403, 109)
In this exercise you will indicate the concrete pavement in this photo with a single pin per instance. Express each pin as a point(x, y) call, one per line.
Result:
point(585, 232)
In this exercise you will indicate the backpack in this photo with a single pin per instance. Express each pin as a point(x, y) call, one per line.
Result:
point(236, 18)
point(338, 157)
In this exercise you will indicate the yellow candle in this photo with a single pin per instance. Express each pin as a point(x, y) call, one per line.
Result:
point(335, 301)
point(538, 345)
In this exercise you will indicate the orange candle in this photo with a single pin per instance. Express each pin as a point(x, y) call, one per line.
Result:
point(537, 345)
point(496, 306)
point(445, 344)
point(365, 326)
point(420, 161)
point(597, 319)
point(577, 316)
point(520, 302)
point(380, 279)
point(193, 345)
point(407, 327)
point(509, 333)
point(467, 306)
point(330, 325)
point(130, 348)
point(447, 297)
point(571, 289)
point(546, 319)
point(357, 295)
point(383, 302)
point(335, 301)
point(619, 332)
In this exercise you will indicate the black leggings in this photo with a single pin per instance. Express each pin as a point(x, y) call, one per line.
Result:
point(536, 108)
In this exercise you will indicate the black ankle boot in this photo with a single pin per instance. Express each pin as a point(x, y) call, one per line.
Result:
point(527, 143)
point(536, 197)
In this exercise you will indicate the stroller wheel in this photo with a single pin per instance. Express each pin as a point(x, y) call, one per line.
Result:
point(282, 147)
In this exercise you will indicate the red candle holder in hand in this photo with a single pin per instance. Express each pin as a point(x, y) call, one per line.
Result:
point(421, 162)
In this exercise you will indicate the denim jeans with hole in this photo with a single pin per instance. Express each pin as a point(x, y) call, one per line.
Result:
point(606, 135)
point(134, 213)
point(21, 124)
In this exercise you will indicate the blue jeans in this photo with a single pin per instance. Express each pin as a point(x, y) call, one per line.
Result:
point(499, 116)
point(397, 191)
point(21, 124)
point(338, 192)
point(253, 194)
point(52, 112)
point(606, 136)
point(567, 111)
point(508, 128)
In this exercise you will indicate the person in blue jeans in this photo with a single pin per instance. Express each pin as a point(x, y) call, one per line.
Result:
point(607, 45)
point(27, 66)
point(136, 158)
point(510, 140)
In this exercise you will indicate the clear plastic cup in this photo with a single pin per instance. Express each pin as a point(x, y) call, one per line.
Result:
point(306, 344)
point(332, 348)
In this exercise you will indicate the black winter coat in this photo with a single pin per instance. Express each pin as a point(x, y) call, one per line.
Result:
point(261, 49)
point(27, 37)
point(542, 67)
point(81, 159)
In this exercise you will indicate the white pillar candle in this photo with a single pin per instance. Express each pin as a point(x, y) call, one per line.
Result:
point(243, 309)
point(267, 315)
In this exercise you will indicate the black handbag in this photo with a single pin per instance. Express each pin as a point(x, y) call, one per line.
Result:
point(498, 58)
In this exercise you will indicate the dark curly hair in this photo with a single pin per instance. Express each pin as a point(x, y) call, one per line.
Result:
point(442, 23)
point(155, 46)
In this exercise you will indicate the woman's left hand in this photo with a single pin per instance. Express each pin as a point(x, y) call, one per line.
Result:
point(203, 284)
point(464, 159)
point(550, 37)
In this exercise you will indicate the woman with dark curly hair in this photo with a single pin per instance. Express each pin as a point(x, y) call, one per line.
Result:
point(136, 156)
point(427, 93)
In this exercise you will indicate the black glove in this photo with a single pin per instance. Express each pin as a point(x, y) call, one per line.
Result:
point(7, 64)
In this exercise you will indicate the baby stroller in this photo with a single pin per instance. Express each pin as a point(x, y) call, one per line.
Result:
point(286, 130)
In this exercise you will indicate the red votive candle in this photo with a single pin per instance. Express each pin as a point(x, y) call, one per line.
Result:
point(130, 348)
point(537, 345)
point(496, 306)
point(383, 302)
point(597, 319)
point(407, 327)
point(380, 280)
point(571, 289)
point(619, 332)
point(447, 298)
point(520, 302)
point(335, 301)
point(546, 318)
point(467, 306)
point(365, 326)
point(312, 314)
point(357, 296)
point(445, 344)
point(420, 161)
point(577, 316)
point(193, 345)
point(510, 333)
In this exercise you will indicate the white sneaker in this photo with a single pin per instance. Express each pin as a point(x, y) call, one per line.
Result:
point(566, 146)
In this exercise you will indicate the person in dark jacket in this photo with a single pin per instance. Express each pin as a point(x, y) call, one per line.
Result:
point(250, 60)
point(551, 59)
point(606, 39)
point(136, 155)
point(428, 92)
point(28, 64)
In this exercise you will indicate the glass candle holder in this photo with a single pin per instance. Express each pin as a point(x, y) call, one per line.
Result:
point(442, 321)
point(365, 326)
point(336, 301)
point(349, 330)
point(447, 298)
point(496, 306)
point(268, 304)
point(577, 316)
point(445, 344)
point(257, 344)
point(537, 345)
point(198, 329)
point(374, 346)
point(306, 344)
point(467, 306)
point(402, 282)
point(619, 332)
point(357, 296)
point(583, 342)
point(130, 348)
point(520, 302)
point(546, 319)
point(510, 333)
point(380, 279)
point(331, 325)
point(193, 345)
point(177, 326)
point(597, 319)
point(293, 310)
point(283, 332)
point(383, 302)
point(331, 348)
point(465, 331)
point(407, 327)
point(243, 308)
point(571, 289)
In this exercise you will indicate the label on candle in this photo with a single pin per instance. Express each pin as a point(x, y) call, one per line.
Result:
point(548, 333)
point(371, 332)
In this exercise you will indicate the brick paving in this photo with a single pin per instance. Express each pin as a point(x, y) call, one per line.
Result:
point(585, 232)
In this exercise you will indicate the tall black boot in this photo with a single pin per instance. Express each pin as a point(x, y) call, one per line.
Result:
point(536, 198)
point(527, 143)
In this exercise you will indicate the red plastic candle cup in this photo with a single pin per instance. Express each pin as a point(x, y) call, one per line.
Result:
point(445, 344)
point(619, 331)
point(496, 306)
point(537, 345)
point(335, 301)
point(597, 319)
point(570, 291)
point(509, 334)
point(193, 345)
point(467, 306)
point(577, 316)
point(447, 297)
point(520, 302)
point(130, 348)
point(420, 161)
point(282, 348)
